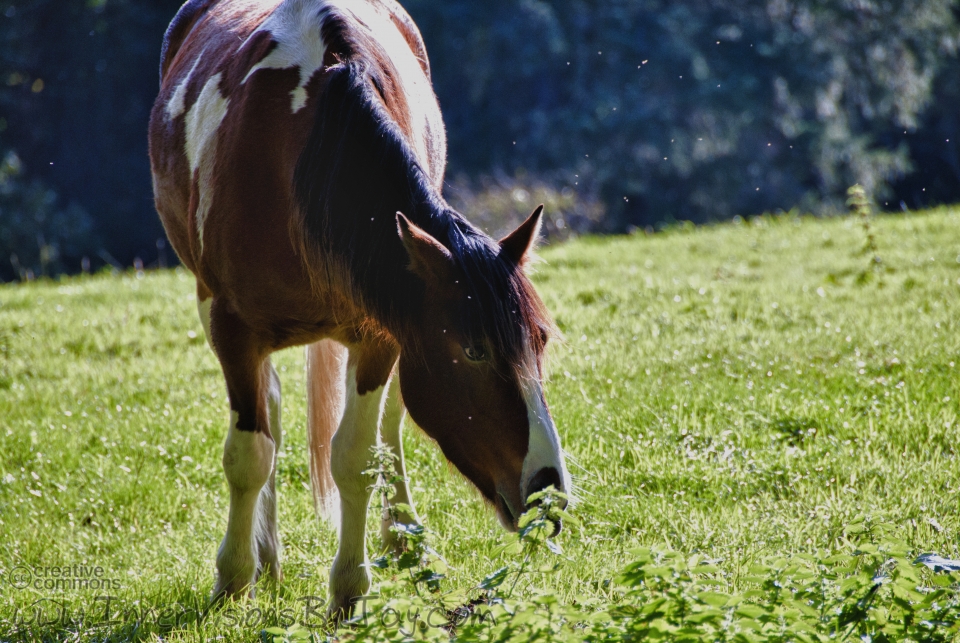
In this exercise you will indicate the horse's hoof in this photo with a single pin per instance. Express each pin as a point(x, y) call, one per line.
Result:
point(272, 571)
point(222, 594)
point(336, 615)
point(341, 610)
point(349, 582)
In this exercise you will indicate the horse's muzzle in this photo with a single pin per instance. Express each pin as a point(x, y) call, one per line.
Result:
point(543, 479)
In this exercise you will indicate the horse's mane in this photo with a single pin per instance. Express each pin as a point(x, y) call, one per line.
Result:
point(187, 16)
point(355, 173)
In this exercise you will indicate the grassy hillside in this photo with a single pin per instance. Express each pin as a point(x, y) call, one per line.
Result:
point(738, 392)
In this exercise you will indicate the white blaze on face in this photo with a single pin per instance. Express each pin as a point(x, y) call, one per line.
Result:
point(295, 27)
point(543, 449)
point(203, 122)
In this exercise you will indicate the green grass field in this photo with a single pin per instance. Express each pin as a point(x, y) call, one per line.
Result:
point(740, 392)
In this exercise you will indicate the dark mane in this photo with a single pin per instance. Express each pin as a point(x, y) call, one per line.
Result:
point(356, 172)
point(179, 27)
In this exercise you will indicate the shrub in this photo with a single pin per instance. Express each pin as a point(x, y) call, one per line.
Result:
point(37, 237)
point(499, 203)
point(875, 590)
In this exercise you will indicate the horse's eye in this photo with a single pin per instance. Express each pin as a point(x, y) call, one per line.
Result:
point(475, 353)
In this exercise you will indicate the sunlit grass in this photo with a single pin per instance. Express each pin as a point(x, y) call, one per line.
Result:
point(736, 391)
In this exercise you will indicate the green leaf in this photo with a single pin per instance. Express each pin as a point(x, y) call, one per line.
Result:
point(715, 599)
point(549, 491)
point(567, 517)
point(495, 579)
point(838, 559)
point(750, 611)
point(660, 572)
point(537, 530)
point(408, 560)
point(381, 562)
point(705, 616)
point(641, 554)
point(510, 548)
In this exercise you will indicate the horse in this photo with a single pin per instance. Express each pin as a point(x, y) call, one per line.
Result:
point(298, 154)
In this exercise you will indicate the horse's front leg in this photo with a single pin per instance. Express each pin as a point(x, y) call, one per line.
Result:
point(368, 371)
point(249, 455)
point(391, 431)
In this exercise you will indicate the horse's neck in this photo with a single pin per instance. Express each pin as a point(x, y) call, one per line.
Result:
point(389, 291)
point(355, 173)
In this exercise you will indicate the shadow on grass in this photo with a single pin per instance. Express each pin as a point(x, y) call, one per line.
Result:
point(796, 431)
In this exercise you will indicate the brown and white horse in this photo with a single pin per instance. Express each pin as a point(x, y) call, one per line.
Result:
point(287, 139)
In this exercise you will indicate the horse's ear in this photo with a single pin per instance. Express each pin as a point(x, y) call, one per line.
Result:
point(518, 245)
point(429, 259)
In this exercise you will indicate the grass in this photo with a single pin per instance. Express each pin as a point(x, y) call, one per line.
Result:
point(737, 392)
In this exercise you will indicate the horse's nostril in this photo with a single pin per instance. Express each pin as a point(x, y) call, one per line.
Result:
point(543, 479)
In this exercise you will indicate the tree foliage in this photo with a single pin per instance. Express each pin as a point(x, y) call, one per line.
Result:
point(662, 109)
point(39, 237)
point(77, 80)
point(694, 109)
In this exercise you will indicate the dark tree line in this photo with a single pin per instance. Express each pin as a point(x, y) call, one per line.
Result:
point(703, 109)
point(77, 80)
point(662, 109)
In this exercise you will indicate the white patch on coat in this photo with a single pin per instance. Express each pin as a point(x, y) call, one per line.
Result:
point(247, 457)
point(248, 460)
point(178, 102)
point(295, 27)
point(543, 449)
point(391, 435)
point(350, 575)
point(203, 122)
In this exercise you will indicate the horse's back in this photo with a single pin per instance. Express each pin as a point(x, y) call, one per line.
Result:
point(179, 27)
point(237, 104)
point(206, 47)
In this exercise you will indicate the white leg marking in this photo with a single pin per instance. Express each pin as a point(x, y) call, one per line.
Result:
point(248, 463)
point(543, 448)
point(295, 27)
point(268, 537)
point(391, 432)
point(178, 102)
point(203, 123)
point(349, 578)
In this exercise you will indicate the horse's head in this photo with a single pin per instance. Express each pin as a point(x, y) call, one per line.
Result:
point(471, 373)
